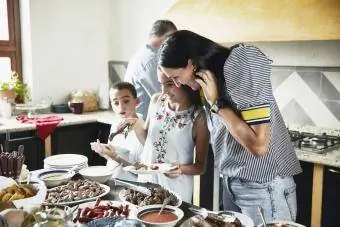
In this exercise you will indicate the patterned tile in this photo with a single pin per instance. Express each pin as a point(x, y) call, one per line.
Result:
point(278, 76)
point(328, 90)
point(294, 114)
point(313, 79)
point(334, 78)
point(334, 107)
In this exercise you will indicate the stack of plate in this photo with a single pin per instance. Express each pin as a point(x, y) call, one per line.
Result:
point(66, 161)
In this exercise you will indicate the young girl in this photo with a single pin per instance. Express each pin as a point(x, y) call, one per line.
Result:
point(122, 149)
point(175, 131)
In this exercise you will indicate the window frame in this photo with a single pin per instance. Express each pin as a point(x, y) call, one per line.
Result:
point(12, 47)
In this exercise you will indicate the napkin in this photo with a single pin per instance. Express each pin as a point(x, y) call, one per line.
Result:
point(45, 125)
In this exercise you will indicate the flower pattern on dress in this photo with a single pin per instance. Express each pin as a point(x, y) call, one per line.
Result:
point(168, 121)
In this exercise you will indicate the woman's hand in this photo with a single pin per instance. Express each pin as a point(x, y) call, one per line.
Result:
point(104, 150)
point(208, 85)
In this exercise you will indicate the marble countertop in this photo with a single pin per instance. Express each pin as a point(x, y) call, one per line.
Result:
point(12, 125)
point(330, 158)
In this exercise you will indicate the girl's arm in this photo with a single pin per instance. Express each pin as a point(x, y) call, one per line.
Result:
point(201, 136)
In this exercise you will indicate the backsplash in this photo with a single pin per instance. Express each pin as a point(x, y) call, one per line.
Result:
point(308, 95)
point(305, 95)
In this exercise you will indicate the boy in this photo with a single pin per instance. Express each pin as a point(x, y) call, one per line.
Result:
point(122, 149)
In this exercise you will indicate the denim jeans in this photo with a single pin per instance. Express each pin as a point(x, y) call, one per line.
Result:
point(277, 198)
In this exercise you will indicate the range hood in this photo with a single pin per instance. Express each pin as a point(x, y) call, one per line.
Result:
point(227, 21)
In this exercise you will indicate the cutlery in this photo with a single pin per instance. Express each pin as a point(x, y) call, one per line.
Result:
point(120, 131)
point(165, 202)
point(141, 189)
point(262, 216)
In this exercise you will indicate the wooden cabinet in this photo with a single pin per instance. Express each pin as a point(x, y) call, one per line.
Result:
point(331, 197)
point(304, 182)
point(33, 147)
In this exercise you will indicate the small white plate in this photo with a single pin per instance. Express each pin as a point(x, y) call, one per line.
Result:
point(162, 168)
point(62, 160)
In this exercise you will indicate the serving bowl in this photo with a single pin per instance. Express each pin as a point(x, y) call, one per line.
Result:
point(101, 174)
point(168, 218)
point(282, 224)
point(53, 178)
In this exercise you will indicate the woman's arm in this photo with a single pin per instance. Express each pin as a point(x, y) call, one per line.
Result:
point(201, 136)
point(254, 138)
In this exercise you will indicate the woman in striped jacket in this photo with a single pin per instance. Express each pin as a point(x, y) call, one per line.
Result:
point(250, 141)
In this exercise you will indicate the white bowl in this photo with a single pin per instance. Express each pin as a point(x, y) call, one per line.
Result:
point(100, 174)
point(155, 208)
point(53, 178)
point(290, 223)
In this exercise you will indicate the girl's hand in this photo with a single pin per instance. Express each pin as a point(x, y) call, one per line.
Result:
point(175, 172)
point(207, 81)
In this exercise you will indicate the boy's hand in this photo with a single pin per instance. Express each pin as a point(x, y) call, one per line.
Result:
point(104, 150)
point(175, 172)
point(131, 122)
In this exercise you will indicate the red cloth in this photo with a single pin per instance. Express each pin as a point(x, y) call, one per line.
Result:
point(45, 125)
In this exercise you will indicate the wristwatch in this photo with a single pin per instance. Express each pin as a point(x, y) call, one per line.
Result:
point(219, 104)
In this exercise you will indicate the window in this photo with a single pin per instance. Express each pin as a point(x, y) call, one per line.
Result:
point(10, 40)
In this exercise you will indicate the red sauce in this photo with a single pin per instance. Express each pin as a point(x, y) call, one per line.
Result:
point(154, 217)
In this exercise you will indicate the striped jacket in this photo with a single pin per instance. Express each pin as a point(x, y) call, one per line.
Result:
point(248, 87)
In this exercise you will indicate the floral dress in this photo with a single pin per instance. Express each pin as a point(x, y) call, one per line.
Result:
point(169, 140)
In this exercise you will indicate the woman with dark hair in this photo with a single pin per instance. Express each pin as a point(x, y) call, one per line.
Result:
point(175, 132)
point(250, 141)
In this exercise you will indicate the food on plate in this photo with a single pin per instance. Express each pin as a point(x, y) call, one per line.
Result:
point(101, 210)
point(157, 197)
point(140, 166)
point(154, 167)
point(16, 192)
point(47, 216)
point(199, 221)
point(155, 217)
point(73, 191)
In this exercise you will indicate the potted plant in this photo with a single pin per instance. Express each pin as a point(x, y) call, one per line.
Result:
point(14, 90)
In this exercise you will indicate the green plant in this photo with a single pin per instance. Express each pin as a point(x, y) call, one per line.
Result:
point(20, 88)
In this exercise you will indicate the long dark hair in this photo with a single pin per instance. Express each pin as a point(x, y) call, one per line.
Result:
point(183, 45)
point(195, 99)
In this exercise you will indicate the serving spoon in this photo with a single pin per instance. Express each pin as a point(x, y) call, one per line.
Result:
point(165, 202)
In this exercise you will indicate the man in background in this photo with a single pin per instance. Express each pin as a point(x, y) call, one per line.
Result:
point(142, 68)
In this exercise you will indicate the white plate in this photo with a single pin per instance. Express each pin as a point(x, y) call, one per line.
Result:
point(162, 168)
point(63, 160)
point(133, 208)
point(106, 190)
point(122, 197)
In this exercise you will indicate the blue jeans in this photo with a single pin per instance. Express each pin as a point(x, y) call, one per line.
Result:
point(277, 198)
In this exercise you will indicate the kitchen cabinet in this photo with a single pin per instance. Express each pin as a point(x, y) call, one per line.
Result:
point(304, 182)
point(331, 197)
point(103, 133)
point(75, 139)
point(33, 147)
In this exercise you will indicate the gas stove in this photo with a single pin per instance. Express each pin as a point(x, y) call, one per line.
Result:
point(317, 143)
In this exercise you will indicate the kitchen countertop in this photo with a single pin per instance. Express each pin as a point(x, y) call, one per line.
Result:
point(12, 125)
point(331, 158)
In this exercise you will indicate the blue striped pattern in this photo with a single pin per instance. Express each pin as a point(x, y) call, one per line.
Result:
point(247, 75)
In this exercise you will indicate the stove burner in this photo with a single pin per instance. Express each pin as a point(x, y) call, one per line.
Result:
point(313, 142)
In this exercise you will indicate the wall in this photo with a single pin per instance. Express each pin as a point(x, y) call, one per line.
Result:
point(72, 41)
point(132, 20)
point(66, 46)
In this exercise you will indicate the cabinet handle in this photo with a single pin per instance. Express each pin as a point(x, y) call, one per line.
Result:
point(334, 171)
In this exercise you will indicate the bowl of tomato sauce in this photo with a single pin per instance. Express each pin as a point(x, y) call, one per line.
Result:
point(167, 218)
